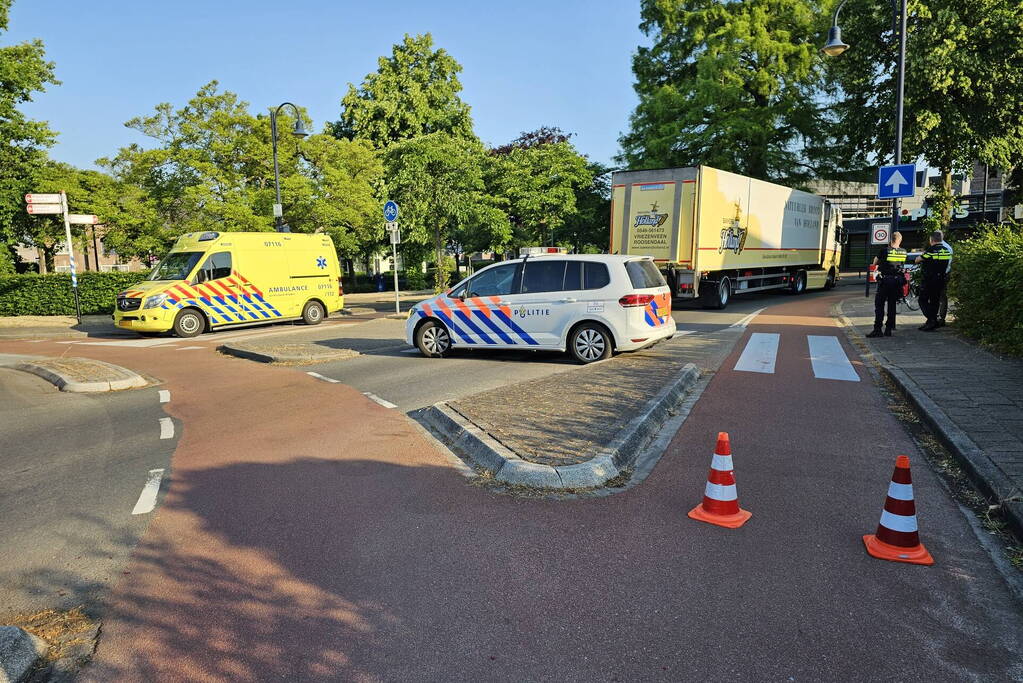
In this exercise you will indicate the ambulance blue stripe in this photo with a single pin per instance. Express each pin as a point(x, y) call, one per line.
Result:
point(452, 326)
point(490, 323)
point(235, 310)
point(257, 307)
point(223, 315)
point(272, 309)
point(515, 328)
point(472, 326)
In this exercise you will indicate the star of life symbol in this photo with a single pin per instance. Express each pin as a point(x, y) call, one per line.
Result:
point(321, 262)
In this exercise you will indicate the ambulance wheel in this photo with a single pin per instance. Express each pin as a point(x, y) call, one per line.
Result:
point(589, 342)
point(189, 323)
point(432, 339)
point(312, 313)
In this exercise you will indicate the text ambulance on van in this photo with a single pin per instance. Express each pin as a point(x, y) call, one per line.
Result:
point(212, 280)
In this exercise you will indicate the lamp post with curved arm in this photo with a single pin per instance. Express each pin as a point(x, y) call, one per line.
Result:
point(298, 131)
point(835, 47)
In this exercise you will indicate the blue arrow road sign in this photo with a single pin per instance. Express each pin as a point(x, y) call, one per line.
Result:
point(390, 212)
point(896, 181)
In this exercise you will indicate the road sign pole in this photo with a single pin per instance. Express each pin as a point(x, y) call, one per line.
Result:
point(71, 255)
point(394, 265)
point(899, 112)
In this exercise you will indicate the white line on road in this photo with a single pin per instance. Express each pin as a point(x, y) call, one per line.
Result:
point(325, 379)
point(748, 319)
point(147, 500)
point(829, 360)
point(377, 399)
point(164, 396)
point(166, 428)
point(760, 353)
point(189, 348)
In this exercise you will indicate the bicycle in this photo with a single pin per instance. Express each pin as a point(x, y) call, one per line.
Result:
point(910, 299)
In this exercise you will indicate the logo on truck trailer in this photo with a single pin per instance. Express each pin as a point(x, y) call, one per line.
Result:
point(733, 238)
point(652, 218)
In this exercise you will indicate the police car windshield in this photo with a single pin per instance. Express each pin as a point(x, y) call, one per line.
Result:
point(176, 266)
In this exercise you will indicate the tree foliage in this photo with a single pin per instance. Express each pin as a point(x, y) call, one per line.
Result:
point(212, 169)
point(735, 85)
point(964, 84)
point(23, 72)
point(438, 181)
point(414, 92)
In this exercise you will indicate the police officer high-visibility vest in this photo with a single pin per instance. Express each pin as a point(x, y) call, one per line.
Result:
point(935, 261)
point(891, 261)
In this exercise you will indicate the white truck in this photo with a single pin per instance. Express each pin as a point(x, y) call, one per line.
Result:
point(715, 233)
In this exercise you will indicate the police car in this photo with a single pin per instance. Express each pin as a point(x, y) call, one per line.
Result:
point(588, 305)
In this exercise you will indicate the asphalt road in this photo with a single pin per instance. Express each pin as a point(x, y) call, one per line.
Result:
point(72, 468)
point(312, 534)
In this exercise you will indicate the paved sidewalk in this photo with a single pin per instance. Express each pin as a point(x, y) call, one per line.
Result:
point(972, 397)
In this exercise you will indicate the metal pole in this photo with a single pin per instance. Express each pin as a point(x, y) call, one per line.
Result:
point(278, 219)
point(987, 174)
point(71, 255)
point(95, 247)
point(394, 264)
point(899, 107)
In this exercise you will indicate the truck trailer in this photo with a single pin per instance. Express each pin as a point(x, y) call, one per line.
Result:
point(715, 234)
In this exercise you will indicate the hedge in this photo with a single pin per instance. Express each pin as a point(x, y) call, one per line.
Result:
point(51, 294)
point(987, 286)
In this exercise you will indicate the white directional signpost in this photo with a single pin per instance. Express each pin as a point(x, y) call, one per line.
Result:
point(896, 181)
point(391, 223)
point(40, 204)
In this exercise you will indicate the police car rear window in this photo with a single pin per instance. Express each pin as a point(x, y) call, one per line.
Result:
point(644, 275)
point(595, 276)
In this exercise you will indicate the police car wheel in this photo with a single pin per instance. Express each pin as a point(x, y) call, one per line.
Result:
point(312, 313)
point(432, 339)
point(589, 343)
point(189, 323)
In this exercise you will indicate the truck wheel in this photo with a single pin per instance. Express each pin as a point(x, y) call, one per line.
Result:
point(189, 323)
point(312, 313)
point(589, 343)
point(830, 282)
point(723, 294)
point(798, 285)
point(432, 339)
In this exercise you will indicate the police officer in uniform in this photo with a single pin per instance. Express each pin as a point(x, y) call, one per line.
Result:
point(891, 261)
point(935, 262)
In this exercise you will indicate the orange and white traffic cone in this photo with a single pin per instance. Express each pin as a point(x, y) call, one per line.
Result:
point(720, 504)
point(897, 538)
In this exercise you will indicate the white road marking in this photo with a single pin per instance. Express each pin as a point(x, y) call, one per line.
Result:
point(166, 428)
point(164, 396)
point(325, 379)
point(829, 360)
point(36, 341)
point(377, 399)
point(136, 343)
point(189, 348)
point(147, 500)
point(749, 318)
point(760, 353)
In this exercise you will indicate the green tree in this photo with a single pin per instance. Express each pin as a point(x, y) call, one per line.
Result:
point(735, 85)
point(23, 71)
point(539, 181)
point(437, 179)
point(588, 230)
point(212, 169)
point(964, 85)
point(414, 92)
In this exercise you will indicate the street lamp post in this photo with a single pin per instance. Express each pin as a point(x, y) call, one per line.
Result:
point(835, 47)
point(300, 132)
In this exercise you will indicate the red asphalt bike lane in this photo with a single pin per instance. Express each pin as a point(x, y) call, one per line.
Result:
point(309, 534)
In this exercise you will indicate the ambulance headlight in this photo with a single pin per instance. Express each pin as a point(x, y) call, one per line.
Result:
point(155, 301)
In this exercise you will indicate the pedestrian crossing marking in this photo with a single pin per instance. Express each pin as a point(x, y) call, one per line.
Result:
point(829, 360)
point(760, 353)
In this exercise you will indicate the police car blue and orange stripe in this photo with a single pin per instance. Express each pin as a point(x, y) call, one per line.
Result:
point(468, 320)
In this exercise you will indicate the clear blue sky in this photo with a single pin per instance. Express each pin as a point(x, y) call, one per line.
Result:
point(527, 63)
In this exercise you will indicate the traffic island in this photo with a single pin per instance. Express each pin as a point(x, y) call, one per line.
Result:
point(82, 375)
point(969, 397)
point(21, 654)
point(300, 353)
point(582, 429)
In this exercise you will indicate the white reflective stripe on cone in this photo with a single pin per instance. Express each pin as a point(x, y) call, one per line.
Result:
point(898, 522)
point(721, 463)
point(721, 492)
point(900, 491)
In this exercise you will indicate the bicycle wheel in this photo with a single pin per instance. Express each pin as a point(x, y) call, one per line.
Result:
point(912, 302)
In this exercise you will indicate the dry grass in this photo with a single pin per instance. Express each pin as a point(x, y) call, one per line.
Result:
point(64, 632)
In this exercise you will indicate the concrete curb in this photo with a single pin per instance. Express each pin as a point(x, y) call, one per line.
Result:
point(473, 443)
point(260, 357)
point(19, 653)
point(64, 382)
point(984, 473)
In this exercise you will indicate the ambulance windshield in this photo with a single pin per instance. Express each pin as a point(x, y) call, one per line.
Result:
point(176, 265)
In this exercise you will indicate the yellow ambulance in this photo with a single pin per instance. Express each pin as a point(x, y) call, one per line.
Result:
point(213, 280)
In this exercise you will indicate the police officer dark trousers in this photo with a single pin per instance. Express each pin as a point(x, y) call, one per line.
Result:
point(935, 267)
point(891, 261)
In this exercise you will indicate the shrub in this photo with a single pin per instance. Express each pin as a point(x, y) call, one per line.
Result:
point(51, 294)
point(987, 286)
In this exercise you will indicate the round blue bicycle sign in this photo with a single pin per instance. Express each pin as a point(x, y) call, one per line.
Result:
point(390, 212)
